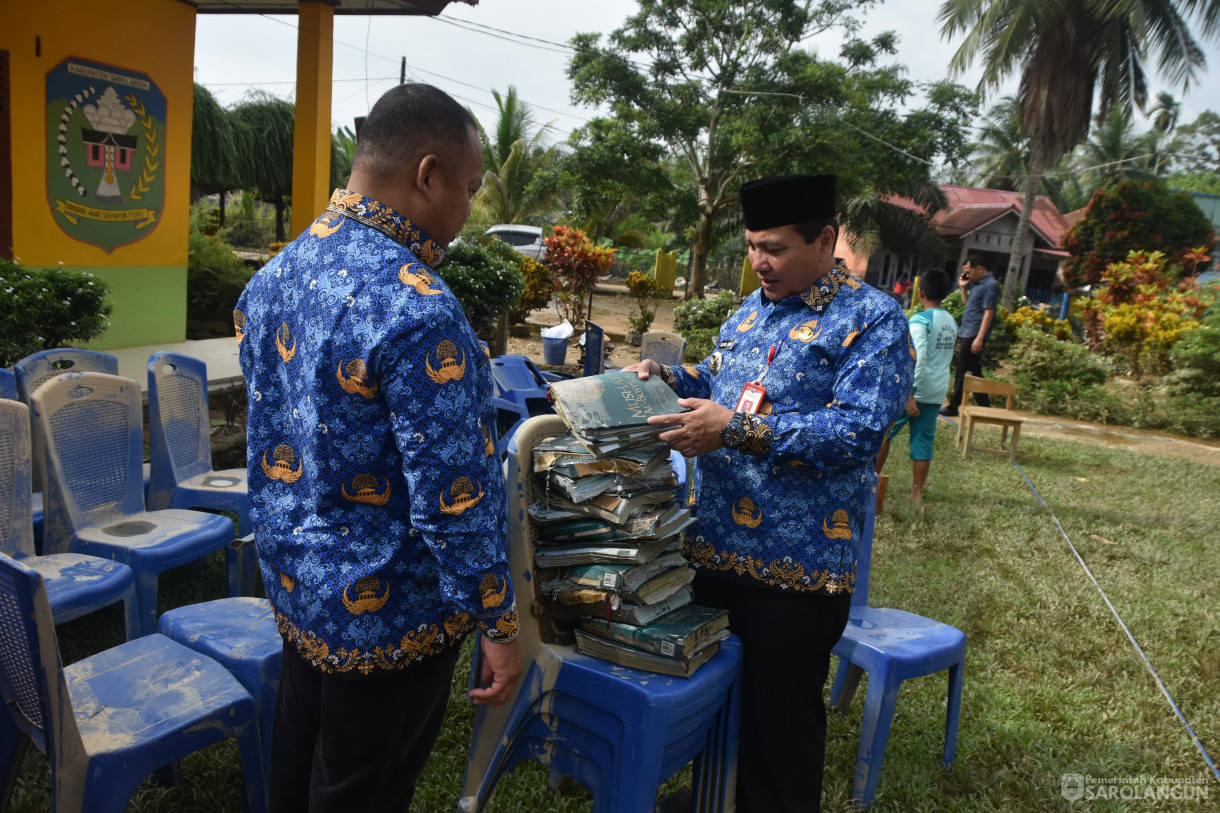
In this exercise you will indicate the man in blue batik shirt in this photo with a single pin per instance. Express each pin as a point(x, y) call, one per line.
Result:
point(781, 492)
point(376, 491)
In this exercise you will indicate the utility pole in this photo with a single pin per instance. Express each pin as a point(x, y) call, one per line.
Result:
point(402, 72)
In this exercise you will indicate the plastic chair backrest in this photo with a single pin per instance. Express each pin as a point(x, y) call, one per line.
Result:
point(1006, 389)
point(595, 349)
point(92, 424)
point(8, 384)
point(38, 368)
point(864, 559)
point(32, 680)
point(178, 417)
point(515, 372)
point(663, 347)
point(16, 519)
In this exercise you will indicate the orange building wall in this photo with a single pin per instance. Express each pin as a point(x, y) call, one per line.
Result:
point(155, 37)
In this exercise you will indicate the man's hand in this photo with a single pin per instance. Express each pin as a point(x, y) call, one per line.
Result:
point(912, 407)
point(697, 431)
point(977, 347)
point(501, 668)
point(643, 368)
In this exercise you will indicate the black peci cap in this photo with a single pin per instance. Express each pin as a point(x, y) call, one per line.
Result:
point(782, 200)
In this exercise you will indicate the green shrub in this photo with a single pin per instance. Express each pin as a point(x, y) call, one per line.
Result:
point(708, 313)
point(47, 308)
point(482, 273)
point(1196, 363)
point(699, 321)
point(1075, 399)
point(215, 278)
point(953, 304)
point(1038, 359)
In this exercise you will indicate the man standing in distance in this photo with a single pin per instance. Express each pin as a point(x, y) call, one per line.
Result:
point(787, 415)
point(980, 293)
point(376, 491)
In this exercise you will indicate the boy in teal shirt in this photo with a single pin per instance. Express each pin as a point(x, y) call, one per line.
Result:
point(933, 332)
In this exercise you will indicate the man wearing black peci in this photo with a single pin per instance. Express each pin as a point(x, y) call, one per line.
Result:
point(786, 417)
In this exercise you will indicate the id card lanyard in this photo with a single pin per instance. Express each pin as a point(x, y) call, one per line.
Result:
point(753, 392)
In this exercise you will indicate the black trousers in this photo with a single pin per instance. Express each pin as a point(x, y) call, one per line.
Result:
point(786, 642)
point(343, 744)
point(968, 361)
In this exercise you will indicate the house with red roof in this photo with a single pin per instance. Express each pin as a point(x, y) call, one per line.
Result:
point(975, 220)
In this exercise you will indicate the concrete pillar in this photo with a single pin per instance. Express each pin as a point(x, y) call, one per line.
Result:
point(749, 280)
point(961, 257)
point(311, 127)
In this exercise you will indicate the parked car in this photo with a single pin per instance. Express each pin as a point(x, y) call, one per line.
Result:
point(525, 239)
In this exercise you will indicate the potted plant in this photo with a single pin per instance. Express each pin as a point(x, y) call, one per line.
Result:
point(644, 288)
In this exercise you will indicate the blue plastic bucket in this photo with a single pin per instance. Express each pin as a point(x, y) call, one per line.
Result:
point(554, 351)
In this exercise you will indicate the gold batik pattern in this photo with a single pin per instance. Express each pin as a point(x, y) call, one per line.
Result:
point(758, 435)
point(818, 295)
point(784, 572)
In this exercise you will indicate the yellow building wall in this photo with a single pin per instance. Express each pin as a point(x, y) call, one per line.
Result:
point(154, 37)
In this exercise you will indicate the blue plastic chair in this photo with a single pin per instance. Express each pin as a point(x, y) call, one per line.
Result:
point(595, 349)
point(76, 585)
point(891, 646)
point(8, 384)
point(92, 426)
point(179, 433)
point(663, 347)
point(239, 634)
point(618, 731)
point(31, 373)
point(110, 720)
point(518, 380)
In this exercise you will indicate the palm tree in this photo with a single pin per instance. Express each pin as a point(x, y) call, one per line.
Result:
point(1000, 155)
point(1065, 50)
point(1114, 151)
point(511, 160)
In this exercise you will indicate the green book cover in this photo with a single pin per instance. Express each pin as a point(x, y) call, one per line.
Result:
point(608, 553)
point(673, 635)
point(612, 401)
point(624, 655)
point(651, 522)
point(624, 578)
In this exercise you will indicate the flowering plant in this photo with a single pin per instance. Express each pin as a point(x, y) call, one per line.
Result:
point(48, 308)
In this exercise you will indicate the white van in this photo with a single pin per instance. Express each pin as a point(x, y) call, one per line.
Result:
point(525, 239)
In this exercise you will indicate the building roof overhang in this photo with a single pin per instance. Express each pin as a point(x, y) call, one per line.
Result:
point(356, 7)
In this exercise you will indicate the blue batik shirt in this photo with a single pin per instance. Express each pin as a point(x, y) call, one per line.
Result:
point(787, 509)
point(376, 492)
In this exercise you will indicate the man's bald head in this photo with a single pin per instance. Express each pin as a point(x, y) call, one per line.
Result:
point(407, 123)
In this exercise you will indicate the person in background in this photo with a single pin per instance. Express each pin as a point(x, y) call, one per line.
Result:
point(787, 415)
point(933, 333)
point(980, 293)
point(375, 487)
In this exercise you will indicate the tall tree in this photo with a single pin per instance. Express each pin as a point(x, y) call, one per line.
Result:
point(1196, 146)
point(1115, 151)
point(1065, 50)
point(213, 150)
point(263, 130)
point(727, 89)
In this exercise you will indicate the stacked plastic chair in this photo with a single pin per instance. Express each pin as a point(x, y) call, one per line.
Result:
point(520, 394)
point(108, 721)
point(618, 731)
point(76, 585)
point(92, 425)
point(31, 373)
point(179, 433)
point(891, 646)
point(8, 384)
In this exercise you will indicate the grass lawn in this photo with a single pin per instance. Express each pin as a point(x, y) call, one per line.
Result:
point(1052, 684)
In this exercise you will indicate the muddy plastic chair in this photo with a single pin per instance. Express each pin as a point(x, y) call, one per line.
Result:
point(76, 585)
point(179, 434)
point(108, 721)
point(891, 646)
point(663, 347)
point(95, 504)
point(8, 384)
point(618, 731)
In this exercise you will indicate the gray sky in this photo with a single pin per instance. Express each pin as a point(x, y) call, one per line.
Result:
point(234, 53)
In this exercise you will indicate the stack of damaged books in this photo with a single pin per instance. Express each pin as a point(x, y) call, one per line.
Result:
point(610, 527)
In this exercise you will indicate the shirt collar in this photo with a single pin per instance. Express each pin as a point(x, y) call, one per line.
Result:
point(377, 215)
point(819, 295)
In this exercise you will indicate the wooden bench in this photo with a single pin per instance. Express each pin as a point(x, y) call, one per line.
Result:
point(1006, 418)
